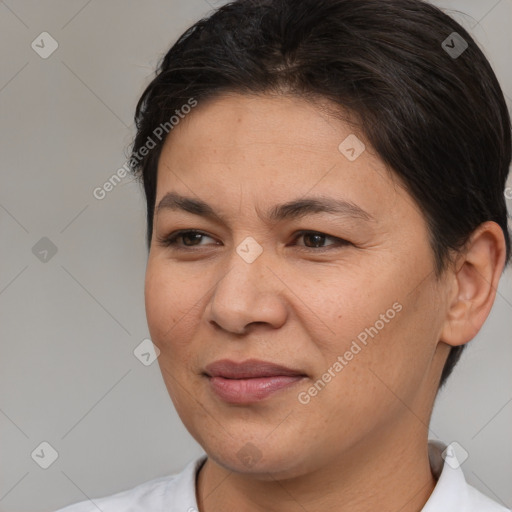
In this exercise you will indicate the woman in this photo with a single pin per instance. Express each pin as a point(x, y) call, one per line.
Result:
point(327, 228)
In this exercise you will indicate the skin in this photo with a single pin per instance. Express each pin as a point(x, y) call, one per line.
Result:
point(360, 444)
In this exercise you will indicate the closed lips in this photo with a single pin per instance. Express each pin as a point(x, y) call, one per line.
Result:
point(249, 369)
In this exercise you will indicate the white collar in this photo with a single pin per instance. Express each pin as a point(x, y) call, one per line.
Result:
point(451, 490)
point(451, 494)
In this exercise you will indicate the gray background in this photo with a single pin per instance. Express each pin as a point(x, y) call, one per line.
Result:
point(69, 325)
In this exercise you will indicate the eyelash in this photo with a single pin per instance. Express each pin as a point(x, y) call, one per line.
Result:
point(170, 241)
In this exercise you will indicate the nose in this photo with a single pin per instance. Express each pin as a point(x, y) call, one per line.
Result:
point(249, 293)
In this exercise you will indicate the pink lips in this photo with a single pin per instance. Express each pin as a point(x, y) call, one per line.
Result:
point(250, 381)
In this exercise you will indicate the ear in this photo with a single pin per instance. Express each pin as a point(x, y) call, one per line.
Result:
point(474, 284)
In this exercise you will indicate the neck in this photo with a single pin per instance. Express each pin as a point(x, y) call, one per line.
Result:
point(391, 471)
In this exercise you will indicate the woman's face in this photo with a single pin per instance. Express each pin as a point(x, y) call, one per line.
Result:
point(354, 307)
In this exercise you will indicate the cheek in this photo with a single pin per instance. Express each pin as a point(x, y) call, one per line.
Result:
point(158, 303)
point(169, 306)
point(398, 352)
point(381, 329)
point(347, 307)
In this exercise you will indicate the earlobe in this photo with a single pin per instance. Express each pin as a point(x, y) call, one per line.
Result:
point(475, 282)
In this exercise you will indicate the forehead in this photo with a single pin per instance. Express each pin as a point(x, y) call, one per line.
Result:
point(238, 145)
point(232, 119)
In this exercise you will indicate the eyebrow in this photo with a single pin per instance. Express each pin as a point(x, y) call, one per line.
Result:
point(294, 209)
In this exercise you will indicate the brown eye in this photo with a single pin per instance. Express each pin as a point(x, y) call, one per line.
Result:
point(186, 236)
point(314, 238)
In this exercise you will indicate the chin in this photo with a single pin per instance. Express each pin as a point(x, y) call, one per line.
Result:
point(265, 463)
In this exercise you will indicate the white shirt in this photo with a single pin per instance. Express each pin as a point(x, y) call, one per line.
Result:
point(177, 492)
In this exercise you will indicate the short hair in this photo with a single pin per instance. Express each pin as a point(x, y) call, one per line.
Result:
point(437, 118)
